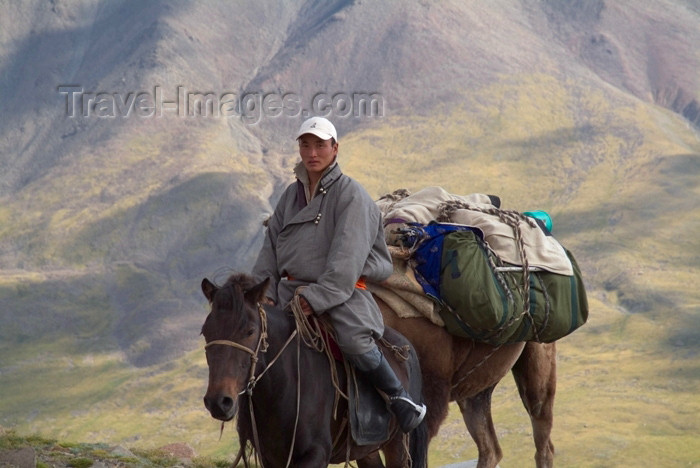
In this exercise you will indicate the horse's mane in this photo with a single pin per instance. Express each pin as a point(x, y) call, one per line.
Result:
point(244, 281)
point(230, 299)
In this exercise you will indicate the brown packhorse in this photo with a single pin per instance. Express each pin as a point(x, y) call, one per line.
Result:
point(465, 371)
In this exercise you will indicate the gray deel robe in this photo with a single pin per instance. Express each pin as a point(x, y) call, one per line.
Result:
point(327, 245)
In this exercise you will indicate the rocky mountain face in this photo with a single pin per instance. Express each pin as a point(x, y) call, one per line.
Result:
point(142, 143)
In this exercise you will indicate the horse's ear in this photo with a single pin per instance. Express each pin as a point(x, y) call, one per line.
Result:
point(257, 293)
point(208, 289)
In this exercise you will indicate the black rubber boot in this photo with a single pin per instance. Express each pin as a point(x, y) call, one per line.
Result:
point(408, 414)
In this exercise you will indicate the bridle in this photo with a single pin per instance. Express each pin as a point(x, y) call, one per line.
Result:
point(261, 347)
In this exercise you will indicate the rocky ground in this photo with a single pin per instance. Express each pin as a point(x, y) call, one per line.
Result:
point(32, 451)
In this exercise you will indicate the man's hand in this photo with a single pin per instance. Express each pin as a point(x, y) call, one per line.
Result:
point(305, 306)
point(266, 300)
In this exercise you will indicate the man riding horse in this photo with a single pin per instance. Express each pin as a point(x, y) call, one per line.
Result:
point(323, 241)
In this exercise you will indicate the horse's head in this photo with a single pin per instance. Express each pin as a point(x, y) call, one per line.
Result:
point(232, 331)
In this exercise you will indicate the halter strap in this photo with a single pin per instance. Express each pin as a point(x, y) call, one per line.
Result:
point(233, 344)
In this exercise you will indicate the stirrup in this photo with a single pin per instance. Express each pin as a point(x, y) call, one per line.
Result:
point(408, 413)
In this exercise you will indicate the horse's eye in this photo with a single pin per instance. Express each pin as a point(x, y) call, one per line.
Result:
point(251, 331)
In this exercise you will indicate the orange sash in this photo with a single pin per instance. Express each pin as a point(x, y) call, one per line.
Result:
point(359, 285)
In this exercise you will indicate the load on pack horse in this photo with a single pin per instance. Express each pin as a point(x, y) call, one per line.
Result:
point(295, 404)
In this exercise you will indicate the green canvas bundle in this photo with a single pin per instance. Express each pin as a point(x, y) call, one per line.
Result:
point(488, 305)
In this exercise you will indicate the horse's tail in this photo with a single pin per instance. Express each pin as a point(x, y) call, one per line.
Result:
point(418, 446)
point(418, 437)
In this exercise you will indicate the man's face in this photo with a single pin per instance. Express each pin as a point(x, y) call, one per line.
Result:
point(316, 154)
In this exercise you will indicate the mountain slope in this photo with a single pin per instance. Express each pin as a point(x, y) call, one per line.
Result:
point(142, 145)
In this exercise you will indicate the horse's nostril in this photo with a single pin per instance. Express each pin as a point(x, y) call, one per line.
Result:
point(226, 403)
point(222, 404)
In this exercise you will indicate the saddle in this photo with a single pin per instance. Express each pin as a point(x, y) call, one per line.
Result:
point(368, 413)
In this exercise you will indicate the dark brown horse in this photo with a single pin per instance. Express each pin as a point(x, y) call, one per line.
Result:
point(465, 371)
point(283, 391)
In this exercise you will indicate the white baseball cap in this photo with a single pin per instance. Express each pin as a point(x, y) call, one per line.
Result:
point(319, 126)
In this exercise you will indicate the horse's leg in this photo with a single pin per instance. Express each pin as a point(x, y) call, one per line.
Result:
point(395, 453)
point(476, 412)
point(373, 460)
point(535, 374)
point(312, 458)
point(436, 394)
